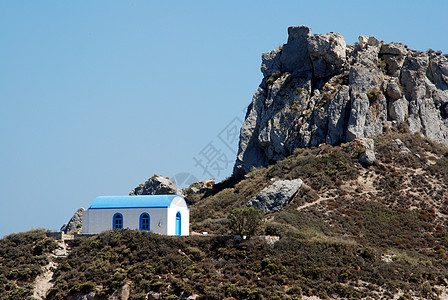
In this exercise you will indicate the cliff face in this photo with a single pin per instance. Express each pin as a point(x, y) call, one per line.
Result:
point(316, 89)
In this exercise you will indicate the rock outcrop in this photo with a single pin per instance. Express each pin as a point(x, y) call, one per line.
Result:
point(157, 185)
point(75, 223)
point(316, 90)
point(402, 147)
point(276, 196)
point(364, 150)
point(199, 186)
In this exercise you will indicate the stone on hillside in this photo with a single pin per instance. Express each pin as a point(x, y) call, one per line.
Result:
point(154, 296)
point(200, 186)
point(157, 185)
point(122, 293)
point(276, 196)
point(89, 296)
point(402, 147)
point(364, 150)
point(75, 223)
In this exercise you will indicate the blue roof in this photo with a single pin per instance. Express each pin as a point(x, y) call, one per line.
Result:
point(153, 201)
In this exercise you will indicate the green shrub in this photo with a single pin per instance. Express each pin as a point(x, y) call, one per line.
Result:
point(245, 221)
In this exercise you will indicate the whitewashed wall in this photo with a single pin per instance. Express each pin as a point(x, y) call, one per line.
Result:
point(185, 220)
point(99, 220)
point(162, 220)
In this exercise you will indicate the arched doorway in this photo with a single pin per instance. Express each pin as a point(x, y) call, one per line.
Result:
point(178, 224)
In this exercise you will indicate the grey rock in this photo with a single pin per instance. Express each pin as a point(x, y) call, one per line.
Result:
point(75, 223)
point(363, 40)
point(191, 297)
point(402, 147)
point(373, 41)
point(398, 110)
point(199, 186)
point(357, 119)
point(154, 296)
point(364, 149)
point(368, 158)
point(294, 56)
point(438, 71)
point(432, 122)
point(88, 296)
point(122, 293)
point(393, 48)
point(270, 62)
point(394, 63)
point(328, 54)
point(157, 185)
point(276, 196)
point(337, 116)
point(393, 89)
point(295, 32)
point(365, 76)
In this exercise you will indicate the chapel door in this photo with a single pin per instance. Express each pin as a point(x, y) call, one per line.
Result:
point(178, 224)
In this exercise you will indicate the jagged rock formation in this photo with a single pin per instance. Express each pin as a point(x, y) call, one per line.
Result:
point(157, 185)
point(276, 196)
point(316, 89)
point(75, 223)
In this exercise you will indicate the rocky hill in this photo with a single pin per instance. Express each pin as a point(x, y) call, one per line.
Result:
point(346, 231)
point(316, 89)
point(343, 149)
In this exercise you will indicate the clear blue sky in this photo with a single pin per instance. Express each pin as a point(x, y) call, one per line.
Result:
point(97, 96)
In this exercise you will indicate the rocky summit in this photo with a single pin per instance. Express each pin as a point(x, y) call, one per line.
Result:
point(157, 185)
point(317, 89)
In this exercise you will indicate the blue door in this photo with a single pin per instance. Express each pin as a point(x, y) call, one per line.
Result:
point(178, 224)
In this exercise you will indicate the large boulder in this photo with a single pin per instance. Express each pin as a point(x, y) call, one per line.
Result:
point(327, 52)
point(157, 185)
point(364, 150)
point(276, 196)
point(199, 186)
point(75, 223)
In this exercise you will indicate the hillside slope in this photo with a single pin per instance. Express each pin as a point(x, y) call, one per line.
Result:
point(349, 232)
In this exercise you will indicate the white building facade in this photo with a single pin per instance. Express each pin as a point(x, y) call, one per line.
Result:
point(163, 214)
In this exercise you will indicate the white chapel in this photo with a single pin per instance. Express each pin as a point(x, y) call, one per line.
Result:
point(163, 214)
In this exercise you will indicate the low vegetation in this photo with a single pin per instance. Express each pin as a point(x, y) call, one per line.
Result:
point(350, 232)
point(22, 256)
